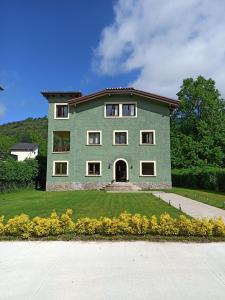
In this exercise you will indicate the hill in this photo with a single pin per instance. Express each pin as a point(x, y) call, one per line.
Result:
point(31, 130)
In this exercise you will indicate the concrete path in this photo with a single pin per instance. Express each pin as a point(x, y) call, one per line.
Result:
point(191, 207)
point(111, 271)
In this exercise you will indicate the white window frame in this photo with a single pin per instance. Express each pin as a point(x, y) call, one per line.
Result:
point(94, 131)
point(120, 110)
point(58, 118)
point(53, 142)
point(144, 144)
point(148, 161)
point(61, 161)
point(93, 161)
point(114, 137)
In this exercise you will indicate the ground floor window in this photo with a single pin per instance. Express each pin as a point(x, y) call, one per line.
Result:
point(147, 168)
point(93, 168)
point(60, 168)
point(61, 141)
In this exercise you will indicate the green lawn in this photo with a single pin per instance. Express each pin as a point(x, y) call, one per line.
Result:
point(83, 203)
point(209, 197)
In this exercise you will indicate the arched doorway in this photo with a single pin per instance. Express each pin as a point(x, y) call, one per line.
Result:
point(120, 170)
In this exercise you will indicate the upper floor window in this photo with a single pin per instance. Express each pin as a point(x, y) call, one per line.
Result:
point(61, 111)
point(129, 110)
point(120, 137)
point(147, 137)
point(94, 138)
point(61, 141)
point(119, 110)
point(112, 110)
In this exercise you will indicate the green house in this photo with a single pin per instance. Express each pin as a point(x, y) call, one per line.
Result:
point(118, 137)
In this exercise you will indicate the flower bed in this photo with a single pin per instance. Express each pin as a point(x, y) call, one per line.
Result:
point(126, 224)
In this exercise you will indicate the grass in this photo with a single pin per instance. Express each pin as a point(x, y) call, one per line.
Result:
point(84, 203)
point(208, 197)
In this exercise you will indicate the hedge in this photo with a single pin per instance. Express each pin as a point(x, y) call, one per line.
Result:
point(17, 174)
point(206, 178)
point(126, 224)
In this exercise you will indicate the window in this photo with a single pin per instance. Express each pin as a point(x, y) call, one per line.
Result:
point(93, 137)
point(147, 168)
point(120, 137)
point(129, 110)
point(119, 110)
point(60, 168)
point(147, 137)
point(61, 111)
point(61, 141)
point(112, 110)
point(93, 168)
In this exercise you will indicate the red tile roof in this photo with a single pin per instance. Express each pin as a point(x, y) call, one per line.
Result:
point(124, 91)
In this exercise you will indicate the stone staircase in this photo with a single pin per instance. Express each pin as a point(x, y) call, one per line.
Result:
point(121, 186)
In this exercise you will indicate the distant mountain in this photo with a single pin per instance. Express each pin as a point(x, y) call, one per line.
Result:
point(31, 130)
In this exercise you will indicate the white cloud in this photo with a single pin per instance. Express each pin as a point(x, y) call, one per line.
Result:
point(166, 41)
point(2, 110)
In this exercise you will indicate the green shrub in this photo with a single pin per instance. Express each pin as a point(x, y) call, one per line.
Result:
point(17, 174)
point(207, 178)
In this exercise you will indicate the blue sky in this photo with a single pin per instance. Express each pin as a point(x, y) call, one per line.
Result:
point(89, 45)
point(50, 45)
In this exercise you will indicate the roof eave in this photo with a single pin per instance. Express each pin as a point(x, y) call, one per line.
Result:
point(172, 102)
point(47, 94)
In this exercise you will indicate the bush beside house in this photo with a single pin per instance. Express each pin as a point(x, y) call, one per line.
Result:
point(203, 178)
point(17, 174)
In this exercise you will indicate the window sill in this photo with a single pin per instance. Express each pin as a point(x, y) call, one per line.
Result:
point(120, 144)
point(121, 117)
point(61, 118)
point(61, 152)
point(60, 175)
point(93, 175)
point(147, 175)
point(147, 144)
point(94, 145)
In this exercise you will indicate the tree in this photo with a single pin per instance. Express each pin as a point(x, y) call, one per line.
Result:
point(198, 125)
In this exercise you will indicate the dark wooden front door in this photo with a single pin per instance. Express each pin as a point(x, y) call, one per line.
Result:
point(121, 171)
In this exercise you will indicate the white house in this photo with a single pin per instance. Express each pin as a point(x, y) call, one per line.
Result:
point(24, 151)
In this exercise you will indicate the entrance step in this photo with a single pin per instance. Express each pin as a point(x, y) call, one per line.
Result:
point(121, 186)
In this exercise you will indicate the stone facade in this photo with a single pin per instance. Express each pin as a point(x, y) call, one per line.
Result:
point(98, 186)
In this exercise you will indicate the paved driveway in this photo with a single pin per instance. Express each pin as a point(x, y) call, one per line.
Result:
point(111, 270)
point(191, 207)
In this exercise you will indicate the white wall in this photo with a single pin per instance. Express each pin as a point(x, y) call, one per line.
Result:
point(22, 155)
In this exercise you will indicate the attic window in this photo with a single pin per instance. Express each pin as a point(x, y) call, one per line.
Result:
point(112, 110)
point(61, 111)
point(129, 110)
point(121, 110)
